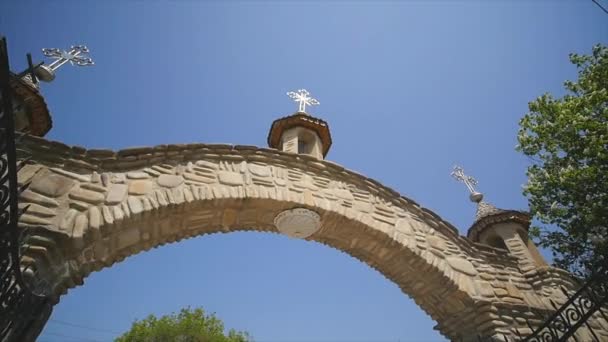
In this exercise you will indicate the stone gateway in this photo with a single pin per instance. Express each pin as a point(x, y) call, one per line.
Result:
point(89, 209)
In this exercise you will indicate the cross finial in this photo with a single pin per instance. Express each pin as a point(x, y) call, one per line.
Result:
point(302, 96)
point(469, 181)
point(78, 55)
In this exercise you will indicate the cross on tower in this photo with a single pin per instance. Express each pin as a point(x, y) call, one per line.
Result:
point(469, 181)
point(76, 56)
point(302, 96)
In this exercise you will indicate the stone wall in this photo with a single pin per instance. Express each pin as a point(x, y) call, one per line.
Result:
point(93, 208)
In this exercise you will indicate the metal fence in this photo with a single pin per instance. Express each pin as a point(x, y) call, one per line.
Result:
point(590, 299)
point(20, 308)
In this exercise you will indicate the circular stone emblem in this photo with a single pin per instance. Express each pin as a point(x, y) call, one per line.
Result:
point(298, 223)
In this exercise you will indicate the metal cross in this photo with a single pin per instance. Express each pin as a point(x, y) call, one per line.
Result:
point(469, 181)
point(76, 56)
point(302, 96)
point(73, 56)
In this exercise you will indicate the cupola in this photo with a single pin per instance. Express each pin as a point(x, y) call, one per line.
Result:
point(501, 228)
point(507, 229)
point(29, 107)
point(31, 112)
point(300, 132)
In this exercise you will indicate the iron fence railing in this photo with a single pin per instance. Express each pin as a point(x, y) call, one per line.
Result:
point(590, 299)
point(19, 306)
point(561, 326)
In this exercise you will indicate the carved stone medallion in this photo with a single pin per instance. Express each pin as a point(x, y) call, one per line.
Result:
point(298, 223)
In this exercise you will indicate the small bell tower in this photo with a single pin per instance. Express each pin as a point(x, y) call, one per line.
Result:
point(32, 115)
point(300, 132)
point(500, 228)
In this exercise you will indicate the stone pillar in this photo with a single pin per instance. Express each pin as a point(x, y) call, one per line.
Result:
point(289, 141)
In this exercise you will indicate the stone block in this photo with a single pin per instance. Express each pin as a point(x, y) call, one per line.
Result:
point(72, 175)
point(67, 222)
point(88, 196)
point(207, 165)
point(206, 179)
point(259, 170)
point(27, 172)
point(107, 214)
point(80, 226)
point(52, 185)
point(137, 175)
point(93, 187)
point(462, 265)
point(514, 291)
point(135, 205)
point(39, 210)
point(95, 218)
point(500, 292)
point(436, 242)
point(118, 178)
point(140, 187)
point(28, 219)
point(230, 178)
point(32, 197)
point(178, 195)
point(170, 181)
point(116, 194)
point(486, 276)
point(118, 213)
point(485, 289)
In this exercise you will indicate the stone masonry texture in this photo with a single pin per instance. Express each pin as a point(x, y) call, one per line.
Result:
point(90, 209)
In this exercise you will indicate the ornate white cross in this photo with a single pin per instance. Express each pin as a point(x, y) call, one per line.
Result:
point(78, 55)
point(302, 96)
point(73, 56)
point(469, 181)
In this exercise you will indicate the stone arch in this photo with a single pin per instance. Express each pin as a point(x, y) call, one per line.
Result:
point(106, 206)
point(413, 274)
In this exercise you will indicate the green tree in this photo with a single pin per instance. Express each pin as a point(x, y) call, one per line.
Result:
point(567, 139)
point(186, 326)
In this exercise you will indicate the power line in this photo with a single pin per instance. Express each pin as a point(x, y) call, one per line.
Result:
point(600, 6)
point(83, 327)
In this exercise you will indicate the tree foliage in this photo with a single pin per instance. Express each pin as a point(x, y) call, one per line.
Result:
point(186, 326)
point(567, 138)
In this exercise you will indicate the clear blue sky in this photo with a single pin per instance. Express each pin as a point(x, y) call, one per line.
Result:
point(408, 88)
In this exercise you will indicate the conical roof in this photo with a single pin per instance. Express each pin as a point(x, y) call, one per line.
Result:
point(486, 209)
point(488, 215)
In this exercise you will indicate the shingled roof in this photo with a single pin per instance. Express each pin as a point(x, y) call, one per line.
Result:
point(487, 214)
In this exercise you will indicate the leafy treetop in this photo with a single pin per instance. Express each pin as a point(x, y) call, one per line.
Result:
point(186, 326)
point(567, 138)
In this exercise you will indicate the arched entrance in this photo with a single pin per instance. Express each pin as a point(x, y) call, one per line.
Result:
point(93, 208)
